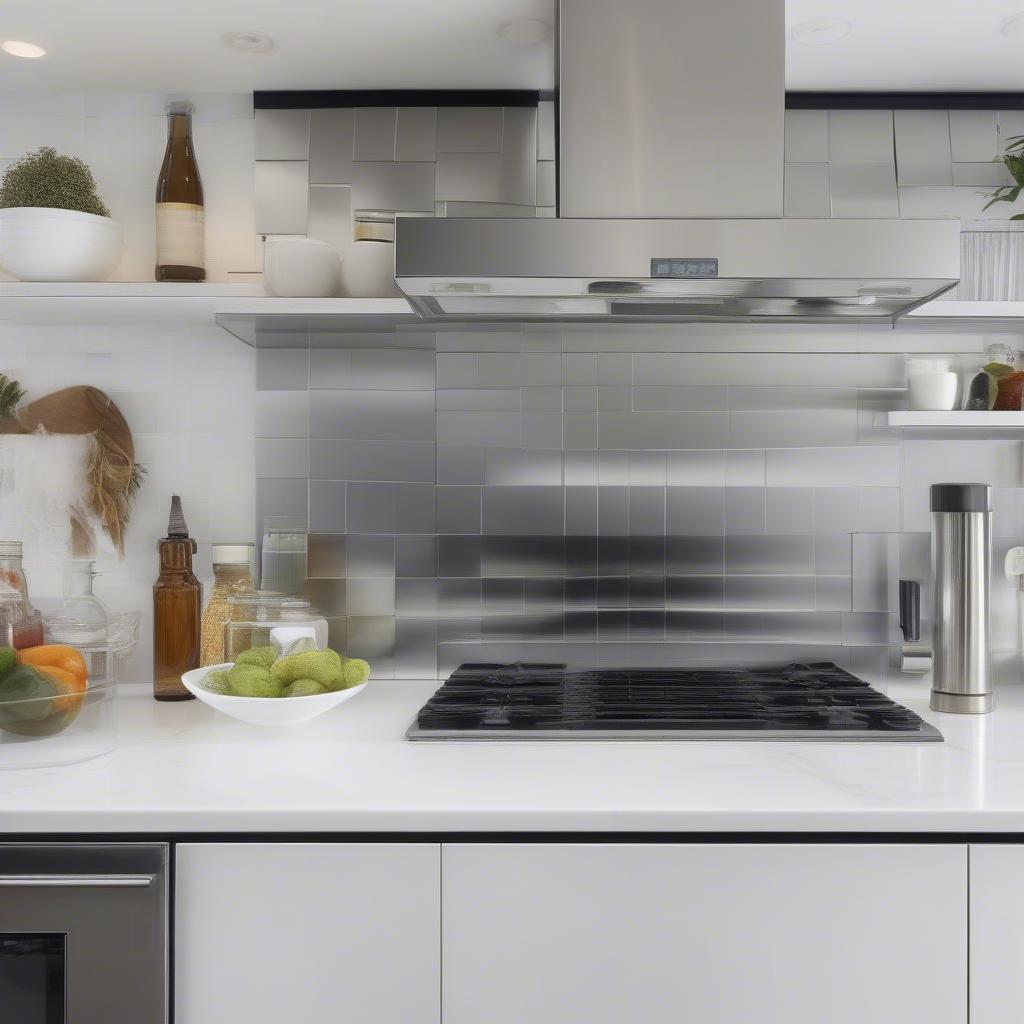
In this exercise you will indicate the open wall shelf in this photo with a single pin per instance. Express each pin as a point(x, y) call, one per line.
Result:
point(243, 309)
point(955, 424)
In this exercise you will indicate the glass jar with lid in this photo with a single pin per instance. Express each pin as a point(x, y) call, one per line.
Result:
point(987, 389)
point(232, 574)
point(20, 624)
point(260, 618)
point(368, 266)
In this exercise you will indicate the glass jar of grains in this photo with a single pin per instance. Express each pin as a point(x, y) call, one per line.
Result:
point(232, 575)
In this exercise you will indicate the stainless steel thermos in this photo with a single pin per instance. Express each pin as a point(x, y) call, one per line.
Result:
point(962, 564)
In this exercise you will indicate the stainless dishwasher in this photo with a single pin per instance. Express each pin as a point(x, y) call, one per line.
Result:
point(83, 933)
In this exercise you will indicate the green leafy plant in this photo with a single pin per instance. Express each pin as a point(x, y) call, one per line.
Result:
point(1013, 161)
point(11, 394)
point(51, 179)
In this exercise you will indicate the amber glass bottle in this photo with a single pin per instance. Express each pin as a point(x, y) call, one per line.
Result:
point(180, 218)
point(177, 607)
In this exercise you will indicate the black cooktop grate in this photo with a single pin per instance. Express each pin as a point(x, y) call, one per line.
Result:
point(814, 698)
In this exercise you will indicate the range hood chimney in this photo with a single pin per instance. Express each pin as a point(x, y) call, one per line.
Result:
point(671, 131)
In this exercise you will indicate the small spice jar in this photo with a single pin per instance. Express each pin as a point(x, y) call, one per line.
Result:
point(368, 266)
point(232, 575)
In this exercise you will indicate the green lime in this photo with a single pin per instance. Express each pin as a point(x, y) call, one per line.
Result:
point(264, 656)
point(8, 659)
point(304, 688)
point(253, 681)
point(217, 682)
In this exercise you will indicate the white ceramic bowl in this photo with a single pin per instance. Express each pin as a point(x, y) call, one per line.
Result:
point(40, 244)
point(270, 711)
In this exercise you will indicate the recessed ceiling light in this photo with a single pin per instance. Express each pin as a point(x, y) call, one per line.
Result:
point(1013, 25)
point(524, 31)
point(819, 31)
point(248, 42)
point(19, 49)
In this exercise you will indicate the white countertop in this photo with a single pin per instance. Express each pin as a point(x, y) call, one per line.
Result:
point(184, 768)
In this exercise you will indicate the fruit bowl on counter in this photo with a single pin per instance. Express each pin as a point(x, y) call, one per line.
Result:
point(261, 688)
point(50, 714)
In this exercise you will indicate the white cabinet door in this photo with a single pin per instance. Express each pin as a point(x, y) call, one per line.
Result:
point(997, 934)
point(704, 934)
point(307, 933)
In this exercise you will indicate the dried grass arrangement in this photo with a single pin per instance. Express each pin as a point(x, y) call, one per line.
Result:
point(113, 476)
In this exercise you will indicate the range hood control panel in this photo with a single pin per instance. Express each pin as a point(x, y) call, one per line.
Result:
point(692, 269)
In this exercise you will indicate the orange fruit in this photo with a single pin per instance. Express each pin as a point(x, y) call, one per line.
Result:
point(59, 656)
point(69, 685)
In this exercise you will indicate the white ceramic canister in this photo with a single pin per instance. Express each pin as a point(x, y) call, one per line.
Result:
point(297, 267)
point(931, 385)
point(368, 269)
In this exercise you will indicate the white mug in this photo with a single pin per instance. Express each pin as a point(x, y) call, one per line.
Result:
point(301, 267)
point(933, 390)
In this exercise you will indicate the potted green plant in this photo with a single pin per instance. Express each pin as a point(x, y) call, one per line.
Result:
point(1013, 161)
point(53, 224)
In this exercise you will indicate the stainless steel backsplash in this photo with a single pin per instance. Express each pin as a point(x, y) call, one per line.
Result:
point(613, 495)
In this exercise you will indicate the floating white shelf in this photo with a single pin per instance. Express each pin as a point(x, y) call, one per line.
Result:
point(243, 309)
point(957, 314)
point(956, 424)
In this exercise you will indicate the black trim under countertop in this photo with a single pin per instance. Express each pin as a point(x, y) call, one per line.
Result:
point(315, 99)
point(905, 100)
point(622, 837)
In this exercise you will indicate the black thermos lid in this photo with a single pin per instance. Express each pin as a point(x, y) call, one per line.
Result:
point(961, 498)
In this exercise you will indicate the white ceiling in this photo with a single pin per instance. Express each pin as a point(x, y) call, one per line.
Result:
point(174, 45)
point(908, 45)
point(146, 45)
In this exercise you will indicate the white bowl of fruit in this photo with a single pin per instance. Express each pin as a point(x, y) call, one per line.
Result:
point(264, 687)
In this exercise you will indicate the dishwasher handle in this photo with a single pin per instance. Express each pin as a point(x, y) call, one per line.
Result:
point(77, 881)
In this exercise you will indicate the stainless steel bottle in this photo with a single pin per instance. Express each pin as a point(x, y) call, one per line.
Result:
point(962, 563)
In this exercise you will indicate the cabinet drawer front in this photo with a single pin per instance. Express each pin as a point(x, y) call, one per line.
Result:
point(706, 934)
point(310, 933)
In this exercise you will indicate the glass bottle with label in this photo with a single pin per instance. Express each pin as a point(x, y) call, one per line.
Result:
point(180, 218)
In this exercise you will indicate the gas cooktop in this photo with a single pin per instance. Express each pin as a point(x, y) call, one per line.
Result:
point(816, 701)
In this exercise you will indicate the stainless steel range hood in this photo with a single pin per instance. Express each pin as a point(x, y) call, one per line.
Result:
point(671, 193)
point(674, 269)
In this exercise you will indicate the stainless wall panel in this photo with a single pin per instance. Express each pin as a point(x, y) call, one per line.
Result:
point(416, 133)
point(281, 134)
point(331, 144)
point(375, 130)
point(469, 129)
point(331, 459)
point(372, 415)
point(770, 540)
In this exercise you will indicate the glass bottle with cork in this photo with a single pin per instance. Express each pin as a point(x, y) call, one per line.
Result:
point(232, 574)
point(180, 213)
point(177, 609)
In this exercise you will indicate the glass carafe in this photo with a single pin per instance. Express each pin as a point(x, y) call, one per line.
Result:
point(82, 620)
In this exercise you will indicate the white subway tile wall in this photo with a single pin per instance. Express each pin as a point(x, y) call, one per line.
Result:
point(560, 493)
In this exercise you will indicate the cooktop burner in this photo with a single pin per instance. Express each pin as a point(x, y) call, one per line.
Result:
point(816, 701)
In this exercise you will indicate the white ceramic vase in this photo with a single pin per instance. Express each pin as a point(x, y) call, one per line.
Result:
point(43, 244)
